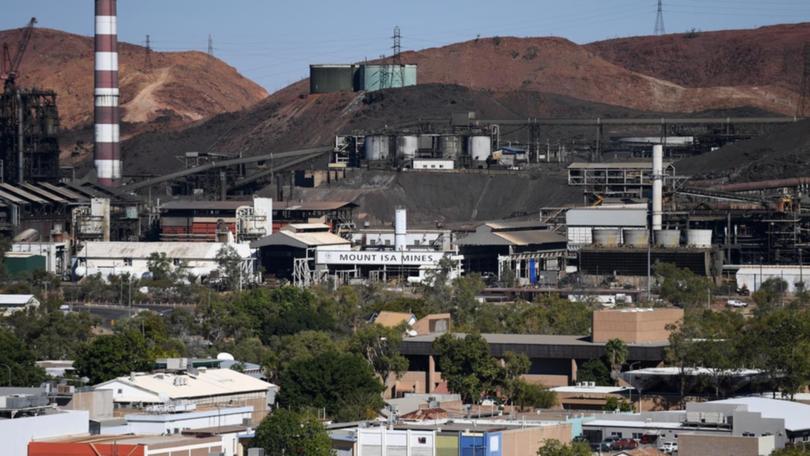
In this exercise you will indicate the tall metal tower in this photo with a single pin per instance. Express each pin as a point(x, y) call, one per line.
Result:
point(147, 58)
point(659, 19)
point(210, 45)
point(396, 47)
point(803, 107)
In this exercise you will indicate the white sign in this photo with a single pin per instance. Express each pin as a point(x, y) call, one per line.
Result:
point(378, 258)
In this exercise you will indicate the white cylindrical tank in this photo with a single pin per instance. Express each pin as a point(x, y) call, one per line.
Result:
point(400, 228)
point(658, 186)
point(668, 238)
point(376, 147)
point(407, 147)
point(606, 237)
point(636, 238)
point(479, 147)
point(699, 238)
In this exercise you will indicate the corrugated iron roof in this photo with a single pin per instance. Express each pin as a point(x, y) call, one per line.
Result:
point(208, 382)
point(139, 250)
point(615, 165)
point(531, 237)
point(200, 205)
point(299, 240)
point(312, 205)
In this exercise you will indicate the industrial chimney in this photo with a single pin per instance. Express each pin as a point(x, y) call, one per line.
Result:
point(107, 153)
point(400, 229)
point(658, 186)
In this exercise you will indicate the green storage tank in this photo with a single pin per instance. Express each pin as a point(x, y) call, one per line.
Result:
point(20, 264)
point(373, 77)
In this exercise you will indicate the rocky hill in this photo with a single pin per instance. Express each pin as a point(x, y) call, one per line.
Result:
point(177, 89)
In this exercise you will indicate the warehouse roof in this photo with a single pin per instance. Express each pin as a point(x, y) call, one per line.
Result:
point(142, 250)
point(201, 205)
point(488, 235)
point(15, 299)
point(615, 165)
point(299, 240)
point(795, 414)
point(312, 205)
point(206, 382)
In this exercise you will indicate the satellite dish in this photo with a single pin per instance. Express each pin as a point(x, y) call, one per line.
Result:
point(225, 357)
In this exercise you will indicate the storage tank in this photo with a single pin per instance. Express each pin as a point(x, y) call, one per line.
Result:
point(479, 147)
point(407, 147)
point(636, 238)
point(699, 238)
point(667, 238)
point(450, 147)
point(376, 147)
point(331, 78)
point(606, 237)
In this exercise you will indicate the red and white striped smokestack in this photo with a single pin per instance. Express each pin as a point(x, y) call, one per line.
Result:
point(107, 153)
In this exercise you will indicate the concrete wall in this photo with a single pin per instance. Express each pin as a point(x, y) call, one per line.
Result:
point(15, 434)
point(724, 445)
point(634, 325)
point(525, 442)
point(98, 403)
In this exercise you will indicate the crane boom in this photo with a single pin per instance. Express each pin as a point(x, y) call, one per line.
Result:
point(14, 62)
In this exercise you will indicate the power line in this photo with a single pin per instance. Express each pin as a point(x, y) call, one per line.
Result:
point(659, 19)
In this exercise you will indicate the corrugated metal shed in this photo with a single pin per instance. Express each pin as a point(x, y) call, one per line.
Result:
point(142, 250)
point(299, 240)
point(607, 216)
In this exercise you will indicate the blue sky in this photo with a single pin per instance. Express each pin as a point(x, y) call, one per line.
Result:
point(273, 41)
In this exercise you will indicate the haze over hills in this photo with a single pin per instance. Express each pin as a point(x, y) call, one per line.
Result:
point(515, 78)
point(178, 88)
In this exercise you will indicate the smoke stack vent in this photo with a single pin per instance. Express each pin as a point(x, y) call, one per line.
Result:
point(107, 156)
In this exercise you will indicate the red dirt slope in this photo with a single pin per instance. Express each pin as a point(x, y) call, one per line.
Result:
point(179, 88)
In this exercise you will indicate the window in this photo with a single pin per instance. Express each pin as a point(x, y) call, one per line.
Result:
point(417, 243)
point(422, 440)
point(616, 434)
point(637, 435)
point(387, 242)
point(127, 261)
point(372, 242)
point(120, 391)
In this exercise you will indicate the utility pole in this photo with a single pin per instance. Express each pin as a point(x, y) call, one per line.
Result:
point(147, 59)
point(210, 45)
point(659, 19)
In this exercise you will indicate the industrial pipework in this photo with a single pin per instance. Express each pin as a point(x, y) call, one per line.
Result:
point(658, 186)
point(107, 155)
point(400, 229)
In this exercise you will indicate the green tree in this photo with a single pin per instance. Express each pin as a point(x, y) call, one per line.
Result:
point(770, 294)
point(287, 432)
point(616, 354)
point(229, 268)
point(159, 265)
point(342, 383)
point(514, 365)
point(682, 287)
point(17, 362)
point(594, 370)
point(553, 447)
point(552, 315)
point(52, 334)
point(533, 395)
point(467, 366)
point(614, 403)
point(380, 347)
point(107, 357)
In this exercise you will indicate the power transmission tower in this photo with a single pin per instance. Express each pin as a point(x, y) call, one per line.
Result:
point(396, 47)
point(210, 45)
point(147, 58)
point(659, 19)
point(803, 107)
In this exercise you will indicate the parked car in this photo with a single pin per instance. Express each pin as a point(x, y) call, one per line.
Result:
point(607, 443)
point(625, 444)
point(649, 439)
point(736, 303)
point(668, 447)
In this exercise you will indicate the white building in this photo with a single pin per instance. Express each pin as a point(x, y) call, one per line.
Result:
point(115, 258)
point(17, 432)
point(433, 164)
point(383, 441)
point(160, 420)
point(581, 221)
point(752, 276)
point(57, 254)
point(418, 239)
point(10, 303)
